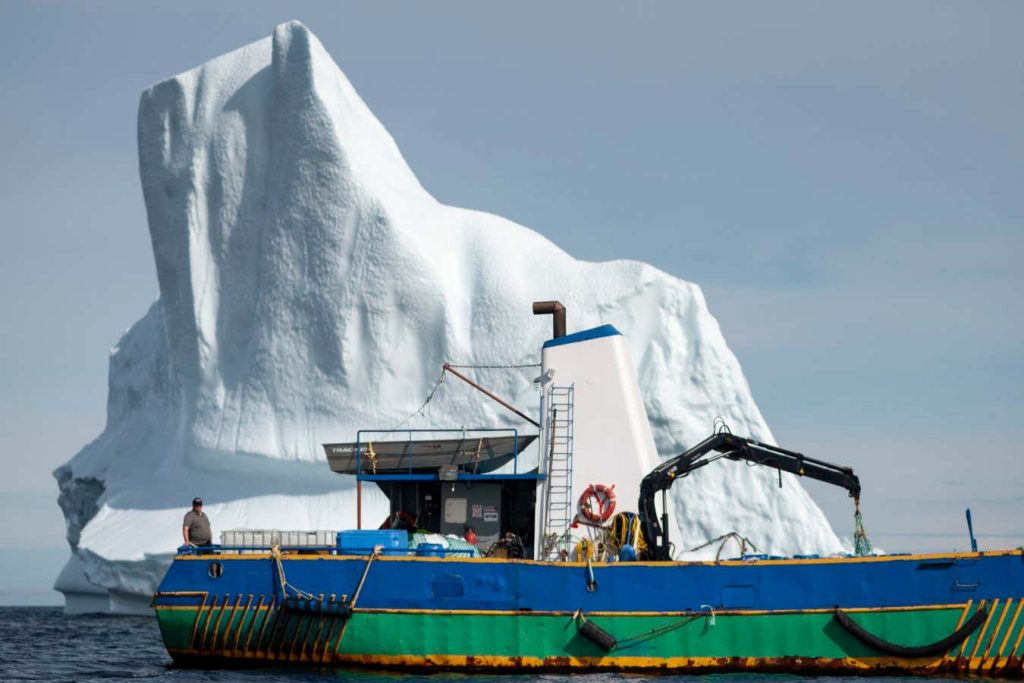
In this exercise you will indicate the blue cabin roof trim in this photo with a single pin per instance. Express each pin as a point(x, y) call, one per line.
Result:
point(585, 335)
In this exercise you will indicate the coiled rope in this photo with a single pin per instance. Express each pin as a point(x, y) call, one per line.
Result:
point(625, 530)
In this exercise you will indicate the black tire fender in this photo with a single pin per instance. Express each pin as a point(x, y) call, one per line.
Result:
point(938, 647)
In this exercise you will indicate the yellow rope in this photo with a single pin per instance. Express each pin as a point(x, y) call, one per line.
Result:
point(275, 553)
point(373, 457)
point(377, 550)
point(583, 551)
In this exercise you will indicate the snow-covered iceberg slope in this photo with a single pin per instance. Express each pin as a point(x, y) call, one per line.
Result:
point(310, 286)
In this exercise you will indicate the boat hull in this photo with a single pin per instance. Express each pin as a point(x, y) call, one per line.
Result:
point(433, 613)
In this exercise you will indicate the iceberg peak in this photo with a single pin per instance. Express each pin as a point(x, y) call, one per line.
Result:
point(310, 287)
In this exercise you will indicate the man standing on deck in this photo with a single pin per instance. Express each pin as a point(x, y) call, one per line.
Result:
point(196, 529)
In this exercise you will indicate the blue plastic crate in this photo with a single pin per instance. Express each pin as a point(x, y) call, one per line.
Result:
point(363, 541)
point(430, 550)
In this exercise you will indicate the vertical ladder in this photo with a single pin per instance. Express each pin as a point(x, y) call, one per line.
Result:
point(559, 506)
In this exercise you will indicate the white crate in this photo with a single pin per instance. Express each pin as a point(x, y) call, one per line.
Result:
point(249, 538)
point(306, 539)
point(265, 538)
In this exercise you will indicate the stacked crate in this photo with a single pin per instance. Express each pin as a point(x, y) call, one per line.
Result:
point(265, 538)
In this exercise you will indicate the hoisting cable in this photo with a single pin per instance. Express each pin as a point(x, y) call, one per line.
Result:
point(430, 397)
point(447, 367)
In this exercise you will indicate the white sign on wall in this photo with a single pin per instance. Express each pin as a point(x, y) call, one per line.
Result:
point(455, 510)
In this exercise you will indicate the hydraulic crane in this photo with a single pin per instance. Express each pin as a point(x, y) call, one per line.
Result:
point(725, 445)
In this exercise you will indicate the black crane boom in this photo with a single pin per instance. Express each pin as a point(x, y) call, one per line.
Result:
point(726, 445)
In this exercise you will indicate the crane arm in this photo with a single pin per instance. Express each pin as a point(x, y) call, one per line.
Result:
point(726, 445)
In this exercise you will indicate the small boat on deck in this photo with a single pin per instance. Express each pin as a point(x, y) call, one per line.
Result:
point(556, 579)
point(478, 454)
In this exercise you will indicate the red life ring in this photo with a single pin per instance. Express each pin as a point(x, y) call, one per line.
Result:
point(605, 498)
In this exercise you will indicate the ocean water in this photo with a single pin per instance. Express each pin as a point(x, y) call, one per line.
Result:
point(41, 644)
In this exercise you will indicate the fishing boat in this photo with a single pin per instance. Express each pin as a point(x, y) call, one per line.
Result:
point(557, 580)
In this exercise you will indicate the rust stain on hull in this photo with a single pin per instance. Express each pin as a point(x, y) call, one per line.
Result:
point(1012, 668)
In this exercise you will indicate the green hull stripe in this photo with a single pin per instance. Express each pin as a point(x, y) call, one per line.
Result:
point(811, 635)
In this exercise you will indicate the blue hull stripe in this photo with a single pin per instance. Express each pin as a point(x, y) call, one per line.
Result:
point(476, 585)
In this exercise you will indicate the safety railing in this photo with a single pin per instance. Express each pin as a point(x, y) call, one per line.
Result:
point(318, 549)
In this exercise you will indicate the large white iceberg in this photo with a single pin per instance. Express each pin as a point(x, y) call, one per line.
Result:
point(309, 287)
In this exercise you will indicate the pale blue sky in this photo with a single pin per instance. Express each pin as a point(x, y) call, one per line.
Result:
point(844, 181)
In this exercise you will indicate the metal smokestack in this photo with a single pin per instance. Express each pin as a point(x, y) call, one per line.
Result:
point(557, 312)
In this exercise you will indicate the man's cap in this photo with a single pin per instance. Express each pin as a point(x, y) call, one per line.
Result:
point(197, 501)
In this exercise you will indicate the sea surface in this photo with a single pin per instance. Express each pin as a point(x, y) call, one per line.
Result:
point(41, 644)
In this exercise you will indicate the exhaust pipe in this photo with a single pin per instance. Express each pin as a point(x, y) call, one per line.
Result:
point(557, 312)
